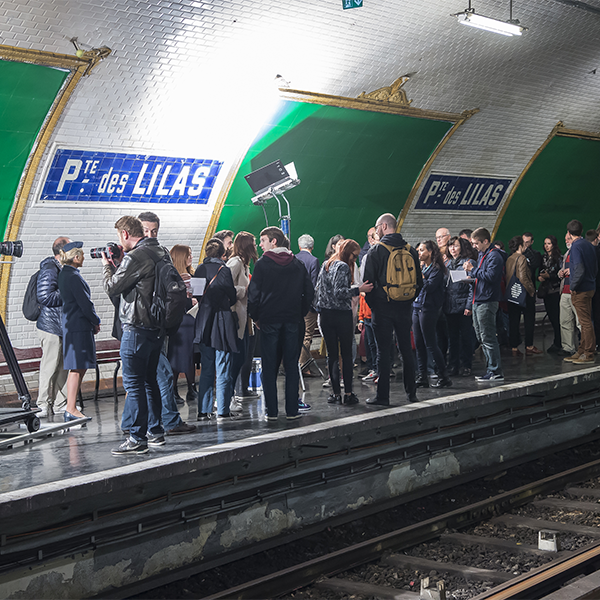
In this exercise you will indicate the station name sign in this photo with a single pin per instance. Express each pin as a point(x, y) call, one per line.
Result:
point(88, 176)
point(460, 192)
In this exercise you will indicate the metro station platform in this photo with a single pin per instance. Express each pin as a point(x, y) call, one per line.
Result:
point(72, 512)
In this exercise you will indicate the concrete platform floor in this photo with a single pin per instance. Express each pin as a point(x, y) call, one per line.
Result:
point(84, 451)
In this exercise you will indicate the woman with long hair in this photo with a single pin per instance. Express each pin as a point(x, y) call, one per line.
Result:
point(458, 306)
point(80, 324)
point(243, 253)
point(517, 263)
point(549, 289)
point(180, 350)
point(426, 310)
point(333, 299)
point(332, 245)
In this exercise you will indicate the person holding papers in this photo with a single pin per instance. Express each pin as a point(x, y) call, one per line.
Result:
point(458, 307)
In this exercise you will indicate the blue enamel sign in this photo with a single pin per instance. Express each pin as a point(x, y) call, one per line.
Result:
point(87, 176)
point(459, 192)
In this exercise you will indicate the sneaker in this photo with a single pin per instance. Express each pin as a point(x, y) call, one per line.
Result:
point(327, 383)
point(225, 418)
point(269, 419)
point(294, 417)
point(350, 399)
point(372, 375)
point(584, 359)
point(442, 382)
point(204, 416)
point(303, 407)
point(181, 429)
point(156, 440)
point(130, 447)
point(334, 399)
point(246, 395)
point(572, 358)
point(42, 413)
point(490, 377)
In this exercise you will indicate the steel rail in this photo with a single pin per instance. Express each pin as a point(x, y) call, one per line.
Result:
point(293, 578)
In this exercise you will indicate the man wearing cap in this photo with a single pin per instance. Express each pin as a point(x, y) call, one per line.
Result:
point(141, 343)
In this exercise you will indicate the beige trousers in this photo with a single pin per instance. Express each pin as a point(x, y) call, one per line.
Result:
point(53, 378)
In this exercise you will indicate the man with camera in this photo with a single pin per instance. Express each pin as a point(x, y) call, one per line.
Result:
point(141, 343)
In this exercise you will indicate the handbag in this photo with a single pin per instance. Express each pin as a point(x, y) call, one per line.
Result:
point(515, 291)
point(543, 289)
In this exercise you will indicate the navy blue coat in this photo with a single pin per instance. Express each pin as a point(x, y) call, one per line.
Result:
point(50, 319)
point(431, 296)
point(78, 321)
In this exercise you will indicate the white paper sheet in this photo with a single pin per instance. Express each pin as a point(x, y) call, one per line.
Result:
point(459, 275)
point(198, 285)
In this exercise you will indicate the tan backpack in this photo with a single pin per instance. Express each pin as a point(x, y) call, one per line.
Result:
point(401, 276)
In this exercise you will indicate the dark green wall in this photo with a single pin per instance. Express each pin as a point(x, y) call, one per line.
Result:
point(26, 95)
point(353, 165)
point(562, 184)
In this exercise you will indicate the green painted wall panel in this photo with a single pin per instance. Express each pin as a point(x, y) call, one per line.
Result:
point(353, 166)
point(562, 184)
point(27, 93)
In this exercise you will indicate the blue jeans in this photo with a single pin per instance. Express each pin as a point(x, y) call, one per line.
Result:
point(370, 345)
point(170, 413)
point(239, 358)
point(284, 338)
point(484, 323)
point(214, 362)
point(140, 354)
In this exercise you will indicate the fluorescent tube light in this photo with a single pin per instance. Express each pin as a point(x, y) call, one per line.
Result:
point(487, 24)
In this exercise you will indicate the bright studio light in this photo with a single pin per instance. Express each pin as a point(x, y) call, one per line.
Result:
point(488, 24)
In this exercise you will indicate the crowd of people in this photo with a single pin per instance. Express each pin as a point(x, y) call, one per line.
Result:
point(433, 304)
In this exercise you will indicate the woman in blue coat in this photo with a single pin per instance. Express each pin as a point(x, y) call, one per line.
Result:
point(80, 324)
point(426, 311)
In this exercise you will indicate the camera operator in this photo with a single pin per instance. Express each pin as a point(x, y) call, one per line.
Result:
point(52, 394)
point(141, 343)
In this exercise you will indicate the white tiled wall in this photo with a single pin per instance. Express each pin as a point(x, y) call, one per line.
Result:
point(195, 78)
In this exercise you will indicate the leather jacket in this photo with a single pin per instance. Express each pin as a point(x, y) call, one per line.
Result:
point(134, 281)
point(50, 319)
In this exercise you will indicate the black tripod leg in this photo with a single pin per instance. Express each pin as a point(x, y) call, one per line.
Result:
point(14, 368)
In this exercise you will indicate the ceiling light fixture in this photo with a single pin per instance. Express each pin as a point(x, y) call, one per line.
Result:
point(509, 28)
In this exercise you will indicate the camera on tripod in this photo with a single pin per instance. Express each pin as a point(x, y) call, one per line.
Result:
point(11, 249)
point(112, 250)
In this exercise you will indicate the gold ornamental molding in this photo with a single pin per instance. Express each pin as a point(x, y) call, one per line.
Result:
point(391, 100)
point(78, 67)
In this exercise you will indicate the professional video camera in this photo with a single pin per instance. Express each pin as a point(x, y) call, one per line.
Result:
point(11, 249)
point(112, 250)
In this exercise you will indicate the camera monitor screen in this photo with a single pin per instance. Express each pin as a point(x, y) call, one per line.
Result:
point(265, 177)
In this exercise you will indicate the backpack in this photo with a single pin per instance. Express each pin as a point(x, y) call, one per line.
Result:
point(401, 275)
point(31, 306)
point(169, 297)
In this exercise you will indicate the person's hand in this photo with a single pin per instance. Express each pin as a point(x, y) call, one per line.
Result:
point(105, 260)
point(96, 329)
point(468, 266)
point(194, 301)
point(360, 326)
point(366, 287)
point(468, 312)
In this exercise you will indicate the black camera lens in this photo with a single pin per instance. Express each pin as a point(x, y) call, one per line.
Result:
point(97, 252)
point(11, 249)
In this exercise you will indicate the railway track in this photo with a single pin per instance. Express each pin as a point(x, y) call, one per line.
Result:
point(338, 574)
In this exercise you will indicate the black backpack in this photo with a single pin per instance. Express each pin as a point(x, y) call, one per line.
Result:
point(169, 297)
point(31, 306)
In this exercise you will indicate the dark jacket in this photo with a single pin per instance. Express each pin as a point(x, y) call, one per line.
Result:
point(488, 274)
point(376, 273)
point(431, 296)
point(459, 294)
point(134, 281)
point(551, 267)
point(534, 262)
point(334, 289)
point(48, 296)
point(583, 267)
point(311, 263)
point(280, 290)
point(215, 326)
point(78, 312)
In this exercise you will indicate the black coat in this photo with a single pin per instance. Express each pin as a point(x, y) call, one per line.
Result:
point(215, 324)
point(48, 295)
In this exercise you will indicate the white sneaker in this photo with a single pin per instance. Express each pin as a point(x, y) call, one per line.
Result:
point(42, 413)
point(370, 377)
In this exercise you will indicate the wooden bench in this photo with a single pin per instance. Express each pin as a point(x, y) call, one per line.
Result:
point(107, 352)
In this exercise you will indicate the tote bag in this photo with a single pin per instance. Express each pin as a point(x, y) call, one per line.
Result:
point(515, 291)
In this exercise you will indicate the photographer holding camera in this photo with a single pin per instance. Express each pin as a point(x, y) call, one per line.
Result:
point(141, 343)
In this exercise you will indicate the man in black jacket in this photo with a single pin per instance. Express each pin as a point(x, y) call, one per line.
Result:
point(141, 342)
point(534, 262)
point(279, 296)
point(390, 315)
point(52, 393)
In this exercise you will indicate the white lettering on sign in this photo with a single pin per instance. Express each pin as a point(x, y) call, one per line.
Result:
point(70, 172)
